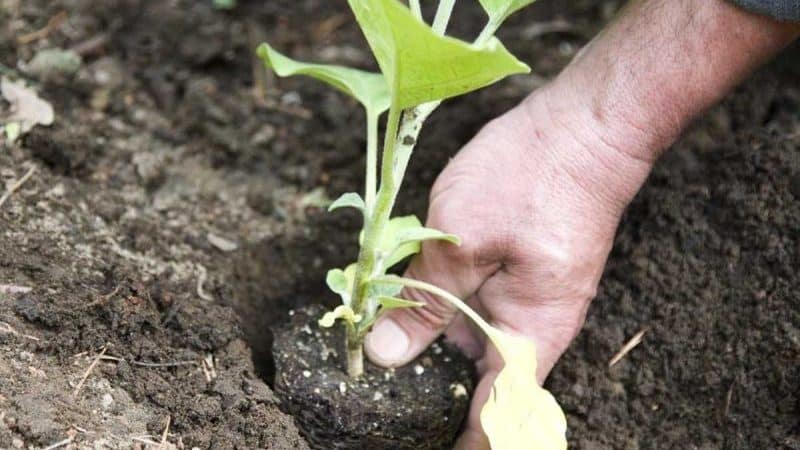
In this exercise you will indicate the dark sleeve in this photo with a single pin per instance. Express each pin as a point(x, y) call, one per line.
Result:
point(785, 10)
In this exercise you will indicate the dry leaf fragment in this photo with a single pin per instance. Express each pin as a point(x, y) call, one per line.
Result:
point(27, 109)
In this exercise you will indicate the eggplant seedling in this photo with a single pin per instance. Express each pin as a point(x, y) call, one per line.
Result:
point(420, 67)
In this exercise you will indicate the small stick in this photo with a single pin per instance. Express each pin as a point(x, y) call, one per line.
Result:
point(633, 342)
point(201, 280)
point(9, 329)
point(14, 289)
point(43, 32)
point(89, 371)
point(169, 364)
point(58, 444)
point(14, 187)
point(166, 433)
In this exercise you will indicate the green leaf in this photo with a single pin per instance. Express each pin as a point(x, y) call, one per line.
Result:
point(377, 290)
point(403, 236)
point(426, 234)
point(351, 200)
point(395, 303)
point(391, 247)
point(370, 89)
point(341, 282)
point(500, 10)
point(421, 66)
point(343, 312)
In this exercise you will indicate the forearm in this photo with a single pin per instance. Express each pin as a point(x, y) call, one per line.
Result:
point(638, 84)
point(662, 62)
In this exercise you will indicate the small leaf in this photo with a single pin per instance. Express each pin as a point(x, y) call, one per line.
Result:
point(341, 282)
point(500, 10)
point(349, 199)
point(421, 66)
point(426, 234)
point(395, 303)
point(370, 89)
point(391, 247)
point(343, 312)
point(518, 409)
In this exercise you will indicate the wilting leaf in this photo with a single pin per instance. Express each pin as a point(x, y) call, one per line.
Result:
point(519, 413)
point(370, 89)
point(421, 66)
point(500, 10)
point(349, 199)
point(343, 312)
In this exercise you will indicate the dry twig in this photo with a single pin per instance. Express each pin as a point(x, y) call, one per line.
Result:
point(201, 280)
point(633, 342)
point(43, 32)
point(14, 289)
point(14, 187)
point(6, 328)
point(89, 371)
point(63, 443)
point(166, 433)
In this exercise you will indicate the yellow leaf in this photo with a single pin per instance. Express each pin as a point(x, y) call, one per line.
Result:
point(519, 413)
point(340, 312)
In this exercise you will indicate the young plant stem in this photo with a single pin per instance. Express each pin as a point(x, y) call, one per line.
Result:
point(374, 224)
point(372, 162)
point(415, 8)
point(443, 13)
point(402, 130)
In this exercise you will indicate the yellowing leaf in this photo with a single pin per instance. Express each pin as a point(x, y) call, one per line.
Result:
point(420, 65)
point(519, 413)
point(370, 89)
point(343, 312)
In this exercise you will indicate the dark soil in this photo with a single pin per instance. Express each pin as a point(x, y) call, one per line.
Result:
point(419, 406)
point(170, 195)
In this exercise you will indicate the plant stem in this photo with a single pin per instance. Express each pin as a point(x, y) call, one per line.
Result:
point(372, 162)
point(443, 13)
point(374, 224)
point(457, 302)
point(415, 8)
point(355, 354)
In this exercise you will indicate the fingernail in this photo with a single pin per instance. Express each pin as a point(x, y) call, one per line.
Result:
point(387, 344)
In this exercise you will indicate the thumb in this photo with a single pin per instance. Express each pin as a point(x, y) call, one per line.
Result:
point(402, 334)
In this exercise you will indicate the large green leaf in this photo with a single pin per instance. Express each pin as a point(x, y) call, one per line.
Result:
point(421, 66)
point(499, 10)
point(368, 88)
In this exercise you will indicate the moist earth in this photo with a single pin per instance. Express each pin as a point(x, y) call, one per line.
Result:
point(176, 212)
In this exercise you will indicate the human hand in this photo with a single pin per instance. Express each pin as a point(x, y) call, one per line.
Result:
point(536, 203)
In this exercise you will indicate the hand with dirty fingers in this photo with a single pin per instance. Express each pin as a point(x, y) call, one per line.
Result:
point(537, 195)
